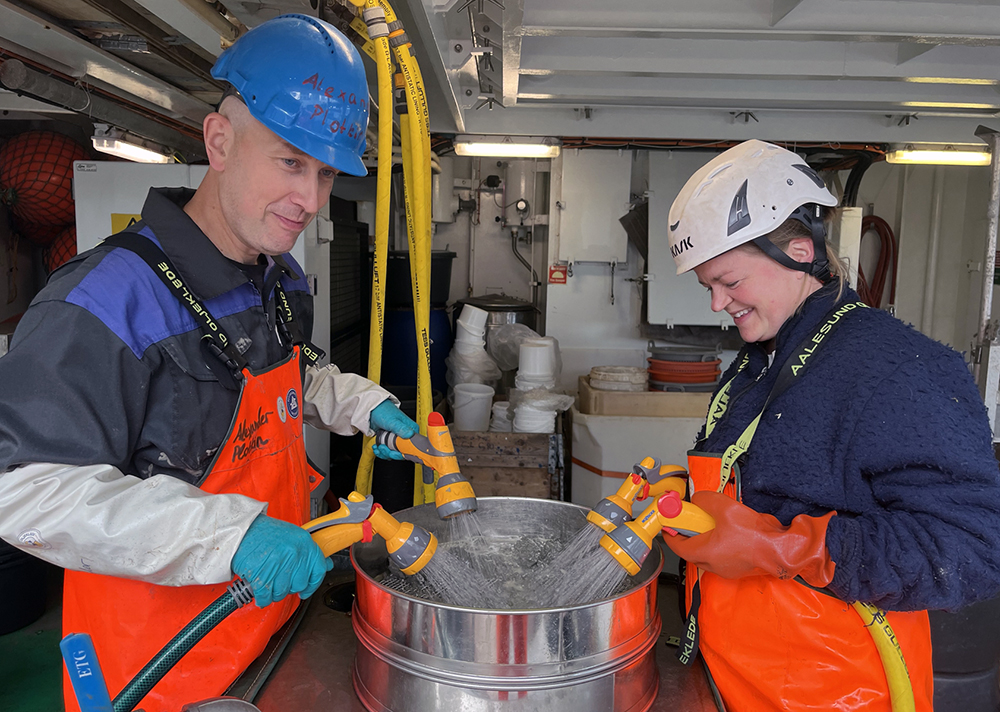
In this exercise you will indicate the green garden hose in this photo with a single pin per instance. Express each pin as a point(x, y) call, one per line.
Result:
point(236, 596)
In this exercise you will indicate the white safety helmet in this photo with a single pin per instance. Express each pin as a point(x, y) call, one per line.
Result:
point(740, 196)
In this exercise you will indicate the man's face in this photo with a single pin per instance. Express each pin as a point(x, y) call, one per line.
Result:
point(270, 191)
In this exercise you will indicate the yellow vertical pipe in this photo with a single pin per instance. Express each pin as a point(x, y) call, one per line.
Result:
point(363, 479)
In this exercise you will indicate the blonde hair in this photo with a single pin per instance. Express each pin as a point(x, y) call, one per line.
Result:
point(792, 229)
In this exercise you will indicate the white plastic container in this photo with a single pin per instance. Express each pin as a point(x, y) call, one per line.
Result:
point(473, 318)
point(466, 349)
point(473, 402)
point(499, 422)
point(527, 383)
point(618, 378)
point(536, 360)
point(464, 337)
point(469, 332)
point(531, 420)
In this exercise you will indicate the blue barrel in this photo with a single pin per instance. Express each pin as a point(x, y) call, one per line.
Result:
point(399, 348)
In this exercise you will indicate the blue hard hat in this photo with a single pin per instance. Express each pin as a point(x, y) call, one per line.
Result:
point(304, 80)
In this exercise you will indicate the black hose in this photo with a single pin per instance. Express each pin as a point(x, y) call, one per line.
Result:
point(236, 596)
point(853, 183)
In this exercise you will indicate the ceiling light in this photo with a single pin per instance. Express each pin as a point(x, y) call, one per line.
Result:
point(117, 142)
point(939, 156)
point(507, 146)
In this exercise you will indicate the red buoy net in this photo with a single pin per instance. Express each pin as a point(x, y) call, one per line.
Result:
point(36, 176)
point(62, 249)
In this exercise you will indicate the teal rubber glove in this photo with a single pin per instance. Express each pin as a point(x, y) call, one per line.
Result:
point(277, 559)
point(386, 416)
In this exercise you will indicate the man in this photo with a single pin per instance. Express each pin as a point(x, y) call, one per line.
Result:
point(152, 403)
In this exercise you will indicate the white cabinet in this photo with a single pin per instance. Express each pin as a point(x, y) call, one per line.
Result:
point(595, 193)
point(674, 299)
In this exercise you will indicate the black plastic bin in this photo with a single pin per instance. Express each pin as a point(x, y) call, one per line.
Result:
point(399, 293)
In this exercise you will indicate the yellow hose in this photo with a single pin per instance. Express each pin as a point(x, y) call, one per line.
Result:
point(383, 54)
point(417, 182)
point(409, 200)
point(893, 663)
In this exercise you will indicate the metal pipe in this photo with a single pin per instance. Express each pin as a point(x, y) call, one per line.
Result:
point(207, 11)
point(983, 334)
point(930, 279)
point(17, 77)
point(517, 254)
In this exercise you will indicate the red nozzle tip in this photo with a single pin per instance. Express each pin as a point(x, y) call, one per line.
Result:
point(435, 419)
point(669, 504)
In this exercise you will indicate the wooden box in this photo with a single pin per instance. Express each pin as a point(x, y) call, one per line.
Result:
point(510, 464)
point(650, 404)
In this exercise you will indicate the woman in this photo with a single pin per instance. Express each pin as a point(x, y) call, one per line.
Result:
point(845, 458)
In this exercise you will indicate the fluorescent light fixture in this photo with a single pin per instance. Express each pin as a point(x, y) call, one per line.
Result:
point(951, 155)
point(117, 142)
point(507, 146)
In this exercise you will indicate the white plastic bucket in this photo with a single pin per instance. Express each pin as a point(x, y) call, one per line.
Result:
point(473, 318)
point(472, 406)
point(536, 360)
point(530, 420)
point(527, 383)
point(466, 349)
point(464, 337)
point(464, 330)
point(500, 423)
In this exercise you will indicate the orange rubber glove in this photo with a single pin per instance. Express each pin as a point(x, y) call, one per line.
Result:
point(748, 543)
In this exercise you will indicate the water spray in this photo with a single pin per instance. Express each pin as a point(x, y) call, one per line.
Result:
point(453, 494)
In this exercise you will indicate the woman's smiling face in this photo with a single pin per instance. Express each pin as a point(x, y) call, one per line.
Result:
point(757, 292)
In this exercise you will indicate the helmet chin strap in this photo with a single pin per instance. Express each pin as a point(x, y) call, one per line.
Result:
point(809, 215)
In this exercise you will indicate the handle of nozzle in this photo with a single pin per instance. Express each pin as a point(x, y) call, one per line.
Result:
point(420, 449)
point(351, 511)
point(348, 525)
point(680, 517)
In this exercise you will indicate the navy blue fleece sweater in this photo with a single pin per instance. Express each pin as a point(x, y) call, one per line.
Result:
point(886, 427)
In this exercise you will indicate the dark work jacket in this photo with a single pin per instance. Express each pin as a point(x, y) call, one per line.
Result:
point(106, 365)
point(887, 428)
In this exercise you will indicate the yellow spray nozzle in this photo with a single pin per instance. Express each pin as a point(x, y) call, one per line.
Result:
point(631, 542)
point(682, 517)
point(616, 509)
point(348, 525)
point(409, 546)
point(647, 478)
point(453, 493)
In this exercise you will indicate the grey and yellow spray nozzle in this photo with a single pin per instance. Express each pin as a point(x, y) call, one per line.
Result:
point(631, 542)
point(409, 546)
point(648, 479)
point(453, 494)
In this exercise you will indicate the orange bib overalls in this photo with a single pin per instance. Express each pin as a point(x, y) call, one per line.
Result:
point(263, 457)
point(778, 645)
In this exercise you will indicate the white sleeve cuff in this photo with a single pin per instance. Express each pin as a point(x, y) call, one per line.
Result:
point(94, 518)
point(340, 402)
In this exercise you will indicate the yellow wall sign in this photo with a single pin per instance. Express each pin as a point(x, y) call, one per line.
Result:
point(120, 221)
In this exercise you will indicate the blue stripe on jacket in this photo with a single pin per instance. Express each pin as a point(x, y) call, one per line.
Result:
point(124, 293)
